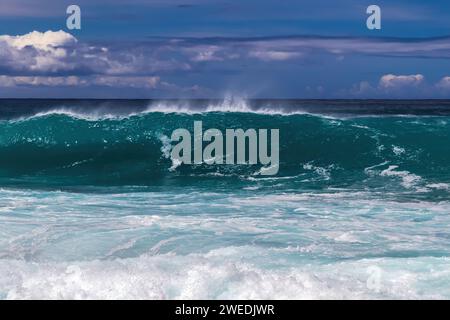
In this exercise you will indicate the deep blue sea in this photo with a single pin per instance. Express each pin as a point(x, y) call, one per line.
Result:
point(92, 205)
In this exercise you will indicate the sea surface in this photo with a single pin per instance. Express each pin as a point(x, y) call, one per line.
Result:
point(93, 207)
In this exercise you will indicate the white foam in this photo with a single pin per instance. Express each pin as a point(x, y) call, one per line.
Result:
point(227, 106)
point(438, 186)
point(166, 149)
point(350, 237)
point(87, 116)
point(324, 173)
point(221, 274)
point(398, 150)
point(409, 180)
point(185, 245)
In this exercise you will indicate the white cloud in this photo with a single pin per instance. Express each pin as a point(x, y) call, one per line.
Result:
point(9, 81)
point(204, 53)
point(46, 41)
point(273, 55)
point(108, 81)
point(391, 81)
point(391, 85)
point(56, 52)
point(444, 83)
point(36, 51)
point(131, 82)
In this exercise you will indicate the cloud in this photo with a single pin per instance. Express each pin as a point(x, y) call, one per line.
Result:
point(283, 48)
point(274, 55)
point(401, 86)
point(59, 53)
point(134, 82)
point(47, 41)
point(106, 81)
point(444, 83)
point(58, 59)
point(205, 53)
point(8, 81)
point(36, 51)
point(391, 85)
point(391, 81)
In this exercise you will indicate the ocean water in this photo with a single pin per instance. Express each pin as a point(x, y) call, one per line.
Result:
point(92, 206)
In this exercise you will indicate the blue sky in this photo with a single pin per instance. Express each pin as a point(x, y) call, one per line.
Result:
point(212, 49)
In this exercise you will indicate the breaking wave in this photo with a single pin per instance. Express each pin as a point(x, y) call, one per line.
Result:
point(67, 147)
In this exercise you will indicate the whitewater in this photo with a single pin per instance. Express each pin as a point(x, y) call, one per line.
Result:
point(92, 207)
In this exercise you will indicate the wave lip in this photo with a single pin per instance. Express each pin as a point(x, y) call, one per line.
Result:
point(164, 107)
point(104, 109)
point(226, 106)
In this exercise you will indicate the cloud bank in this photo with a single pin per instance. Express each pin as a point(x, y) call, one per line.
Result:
point(58, 59)
point(391, 81)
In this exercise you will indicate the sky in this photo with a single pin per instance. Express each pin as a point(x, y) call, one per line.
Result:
point(306, 49)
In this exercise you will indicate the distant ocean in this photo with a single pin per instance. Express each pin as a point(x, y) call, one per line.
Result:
point(91, 205)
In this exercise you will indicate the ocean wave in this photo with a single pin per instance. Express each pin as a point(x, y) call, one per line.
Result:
point(61, 148)
point(99, 113)
point(95, 110)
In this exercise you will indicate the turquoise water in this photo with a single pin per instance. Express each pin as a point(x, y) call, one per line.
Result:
point(93, 207)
